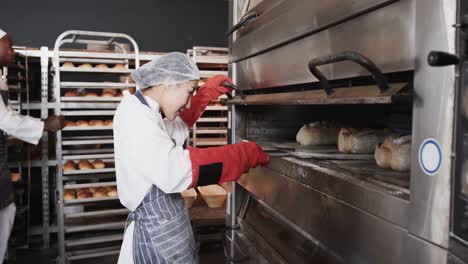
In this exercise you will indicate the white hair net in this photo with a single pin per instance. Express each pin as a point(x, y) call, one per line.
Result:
point(171, 68)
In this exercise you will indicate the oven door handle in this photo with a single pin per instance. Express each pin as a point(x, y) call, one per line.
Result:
point(346, 56)
point(244, 20)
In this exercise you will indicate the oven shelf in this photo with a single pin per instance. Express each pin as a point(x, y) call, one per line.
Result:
point(342, 96)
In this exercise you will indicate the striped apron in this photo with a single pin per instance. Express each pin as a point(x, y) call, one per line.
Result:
point(163, 233)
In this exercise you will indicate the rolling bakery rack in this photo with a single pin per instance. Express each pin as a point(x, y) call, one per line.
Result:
point(91, 220)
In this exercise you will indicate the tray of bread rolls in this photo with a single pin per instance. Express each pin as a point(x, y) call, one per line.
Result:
point(95, 68)
point(85, 166)
point(91, 192)
point(81, 125)
point(90, 95)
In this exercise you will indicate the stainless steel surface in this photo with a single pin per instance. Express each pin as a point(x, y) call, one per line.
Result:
point(392, 49)
point(362, 238)
point(421, 251)
point(294, 18)
point(388, 203)
point(433, 111)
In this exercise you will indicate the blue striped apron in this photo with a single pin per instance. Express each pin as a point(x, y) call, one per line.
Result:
point(163, 233)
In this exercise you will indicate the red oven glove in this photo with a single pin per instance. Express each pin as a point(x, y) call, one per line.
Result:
point(226, 163)
point(208, 92)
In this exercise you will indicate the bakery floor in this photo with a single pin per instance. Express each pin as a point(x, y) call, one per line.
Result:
point(210, 253)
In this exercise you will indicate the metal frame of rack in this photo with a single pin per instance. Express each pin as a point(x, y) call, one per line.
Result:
point(16, 76)
point(73, 107)
point(209, 60)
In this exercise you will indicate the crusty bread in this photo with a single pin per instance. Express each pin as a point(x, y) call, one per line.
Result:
point(108, 123)
point(394, 153)
point(363, 141)
point(318, 134)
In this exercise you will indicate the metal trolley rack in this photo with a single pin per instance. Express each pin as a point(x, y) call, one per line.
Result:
point(93, 226)
point(211, 128)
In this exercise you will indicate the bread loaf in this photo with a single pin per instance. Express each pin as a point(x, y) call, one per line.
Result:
point(69, 123)
point(394, 153)
point(108, 123)
point(318, 134)
point(363, 141)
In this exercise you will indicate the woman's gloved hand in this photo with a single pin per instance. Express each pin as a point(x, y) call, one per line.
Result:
point(211, 90)
point(225, 163)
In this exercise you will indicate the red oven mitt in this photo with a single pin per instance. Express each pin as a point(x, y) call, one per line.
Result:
point(208, 92)
point(225, 163)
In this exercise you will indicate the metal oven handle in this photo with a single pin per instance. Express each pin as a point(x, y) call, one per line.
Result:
point(347, 56)
point(244, 20)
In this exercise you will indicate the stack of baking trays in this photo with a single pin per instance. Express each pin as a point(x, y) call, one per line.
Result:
point(88, 88)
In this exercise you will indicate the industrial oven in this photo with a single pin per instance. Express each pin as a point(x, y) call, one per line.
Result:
point(395, 64)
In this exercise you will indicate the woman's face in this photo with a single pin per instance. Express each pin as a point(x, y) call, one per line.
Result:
point(176, 98)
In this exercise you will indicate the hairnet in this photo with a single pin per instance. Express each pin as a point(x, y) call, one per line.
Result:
point(2, 33)
point(171, 68)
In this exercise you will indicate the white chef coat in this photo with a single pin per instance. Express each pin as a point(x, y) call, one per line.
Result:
point(25, 128)
point(148, 150)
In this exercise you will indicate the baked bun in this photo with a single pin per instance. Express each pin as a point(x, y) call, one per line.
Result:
point(82, 123)
point(69, 166)
point(85, 165)
point(68, 64)
point(84, 193)
point(69, 195)
point(119, 66)
point(100, 192)
point(99, 164)
point(71, 94)
point(15, 176)
point(101, 66)
point(96, 123)
point(112, 191)
point(107, 94)
point(108, 123)
point(85, 66)
point(69, 123)
point(91, 94)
